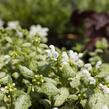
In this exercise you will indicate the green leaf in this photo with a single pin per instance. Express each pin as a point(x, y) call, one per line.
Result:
point(1, 96)
point(75, 81)
point(23, 102)
point(102, 44)
point(97, 100)
point(67, 71)
point(50, 80)
point(104, 70)
point(73, 97)
point(60, 99)
point(4, 60)
point(49, 89)
point(27, 73)
point(5, 79)
point(2, 74)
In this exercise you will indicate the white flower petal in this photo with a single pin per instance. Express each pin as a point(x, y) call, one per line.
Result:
point(13, 24)
point(85, 72)
point(38, 30)
point(92, 80)
point(98, 64)
point(104, 107)
point(105, 89)
point(88, 66)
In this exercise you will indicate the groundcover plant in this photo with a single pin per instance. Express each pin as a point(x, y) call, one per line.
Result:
point(34, 75)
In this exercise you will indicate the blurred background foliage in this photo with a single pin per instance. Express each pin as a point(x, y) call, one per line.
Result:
point(95, 5)
point(51, 13)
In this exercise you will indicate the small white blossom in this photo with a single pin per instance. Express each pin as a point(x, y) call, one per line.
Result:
point(105, 89)
point(55, 55)
point(65, 58)
point(48, 53)
point(55, 108)
point(104, 107)
point(2, 89)
point(80, 55)
point(74, 56)
point(52, 53)
point(98, 64)
point(38, 30)
point(88, 66)
point(88, 76)
point(85, 72)
point(92, 80)
point(52, 47)
point(13, 25)
point(80, 63)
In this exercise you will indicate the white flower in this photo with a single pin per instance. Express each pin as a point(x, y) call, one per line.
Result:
point(71, 52)
point(52, 53)
point(55, 108)
point(85, 72)
point(2, 89)
point(38, 30)
point(80, 63)
point(105, 89)
point(98, 64)
point(88, 66)
point(104, 107)
point(48, 53)
point(92, 80)
point(52, 47)
point(55, 55)
point(1, 23)
point(80, 55)
point(13, 25)
point(74, 56)
point(65, 58)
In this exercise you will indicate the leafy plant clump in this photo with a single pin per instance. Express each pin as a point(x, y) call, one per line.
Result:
point(35, 76)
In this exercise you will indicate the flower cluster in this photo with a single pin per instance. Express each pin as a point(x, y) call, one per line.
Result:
point(86, 73)
point(13, 25)
point(75, 57)
point(40, 31)
point(72, 57)
point(52, 53)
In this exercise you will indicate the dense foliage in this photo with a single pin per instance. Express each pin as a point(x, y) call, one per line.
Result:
point(51, 13)
point(95, 5)
point(35, 76)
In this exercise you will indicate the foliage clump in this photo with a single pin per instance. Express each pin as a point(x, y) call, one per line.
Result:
point(34, 75)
